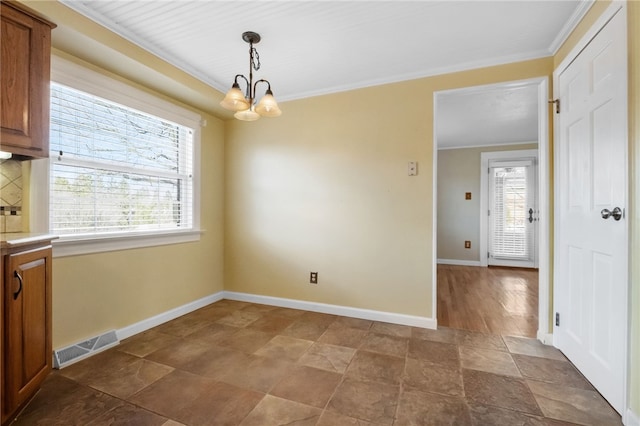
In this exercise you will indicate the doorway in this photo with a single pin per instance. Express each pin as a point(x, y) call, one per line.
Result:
point(509, 195)
point(493, 300)
point(442, 262)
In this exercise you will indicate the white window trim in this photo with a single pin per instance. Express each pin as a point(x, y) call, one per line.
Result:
point(81, 78)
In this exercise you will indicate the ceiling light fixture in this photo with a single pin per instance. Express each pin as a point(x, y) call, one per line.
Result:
point(243, 104)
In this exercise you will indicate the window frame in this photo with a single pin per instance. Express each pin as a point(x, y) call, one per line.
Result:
point(81, 78)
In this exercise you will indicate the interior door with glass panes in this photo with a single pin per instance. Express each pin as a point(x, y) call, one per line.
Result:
point(513, 213)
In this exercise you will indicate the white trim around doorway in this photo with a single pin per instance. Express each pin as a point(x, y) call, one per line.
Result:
point(544, 300)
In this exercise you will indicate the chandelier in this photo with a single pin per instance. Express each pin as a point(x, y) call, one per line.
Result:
point(244, 104)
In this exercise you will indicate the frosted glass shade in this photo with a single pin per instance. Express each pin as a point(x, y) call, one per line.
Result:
point(268, 107)
point(247, 115)
point(235, 100)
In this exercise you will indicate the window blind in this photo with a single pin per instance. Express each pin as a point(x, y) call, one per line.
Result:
point(116, 169)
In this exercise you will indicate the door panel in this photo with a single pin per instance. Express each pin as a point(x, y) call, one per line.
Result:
point(601, 348)
point(578, 159)
point(575, 280)
point(591, 273)
point(34, 319)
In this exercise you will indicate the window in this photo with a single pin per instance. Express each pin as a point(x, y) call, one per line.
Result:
point(120, 167)
point(509, 212)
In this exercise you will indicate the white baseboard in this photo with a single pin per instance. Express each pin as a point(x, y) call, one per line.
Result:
point(346, 311)
point(631, 418)
point(546, 338)
point(459, 262)
point(154, 321)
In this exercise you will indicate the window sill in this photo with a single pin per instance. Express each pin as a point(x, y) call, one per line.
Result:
point(75, 246)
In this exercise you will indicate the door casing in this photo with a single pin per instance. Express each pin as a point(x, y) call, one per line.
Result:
point(542, 84)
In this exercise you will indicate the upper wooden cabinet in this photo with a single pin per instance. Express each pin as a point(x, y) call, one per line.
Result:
point(24, 82)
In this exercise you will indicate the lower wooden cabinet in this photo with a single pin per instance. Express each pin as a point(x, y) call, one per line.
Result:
point(26, 326)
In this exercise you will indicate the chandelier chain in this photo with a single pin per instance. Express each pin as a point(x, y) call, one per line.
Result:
point(255, 59)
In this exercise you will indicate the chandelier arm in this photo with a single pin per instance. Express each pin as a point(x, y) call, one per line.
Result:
point(262, 80)
point(235, 80)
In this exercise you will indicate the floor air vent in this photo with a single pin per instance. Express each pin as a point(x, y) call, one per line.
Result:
point(74, 353)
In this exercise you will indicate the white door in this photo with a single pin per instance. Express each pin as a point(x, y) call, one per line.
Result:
point(512, 213)
point(591, 276)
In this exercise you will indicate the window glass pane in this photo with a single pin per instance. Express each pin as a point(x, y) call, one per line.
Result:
point(86, 126)
point(115, 169)
point(509, 212)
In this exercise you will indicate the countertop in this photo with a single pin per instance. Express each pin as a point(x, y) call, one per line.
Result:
point(17, 239)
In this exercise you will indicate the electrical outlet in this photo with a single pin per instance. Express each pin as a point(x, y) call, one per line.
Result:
point(313, 278)
point(467, 195)
point(467, 244)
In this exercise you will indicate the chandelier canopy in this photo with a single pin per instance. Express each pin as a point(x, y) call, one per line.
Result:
point(244, 103)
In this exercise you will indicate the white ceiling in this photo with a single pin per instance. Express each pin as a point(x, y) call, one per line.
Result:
point(311, 48)
point(498, 115)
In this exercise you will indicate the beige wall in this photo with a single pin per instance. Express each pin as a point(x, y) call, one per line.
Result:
point(458, 218)
point(325, 188)
point(99, 292)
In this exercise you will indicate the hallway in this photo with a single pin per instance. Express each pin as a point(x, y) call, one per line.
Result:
point(489, 300)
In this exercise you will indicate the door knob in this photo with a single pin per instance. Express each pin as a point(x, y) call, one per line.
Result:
point(616, 213)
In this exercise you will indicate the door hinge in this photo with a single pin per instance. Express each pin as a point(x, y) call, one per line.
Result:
point(557, 319)
point(488, 255)
point(488, 212)
point(557, 102)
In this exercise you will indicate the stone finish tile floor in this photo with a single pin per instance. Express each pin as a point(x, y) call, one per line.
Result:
point(237, 363)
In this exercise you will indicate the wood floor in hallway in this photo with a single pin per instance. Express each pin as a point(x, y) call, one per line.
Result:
point(489, 300)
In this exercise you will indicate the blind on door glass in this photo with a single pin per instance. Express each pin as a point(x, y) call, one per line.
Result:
point(511, 231)
point(115, 169)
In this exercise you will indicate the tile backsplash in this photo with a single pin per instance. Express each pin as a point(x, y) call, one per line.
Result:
point(10, 196)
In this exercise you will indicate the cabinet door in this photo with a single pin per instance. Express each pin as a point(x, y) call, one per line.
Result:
point(27, 325)
point(24, 83)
